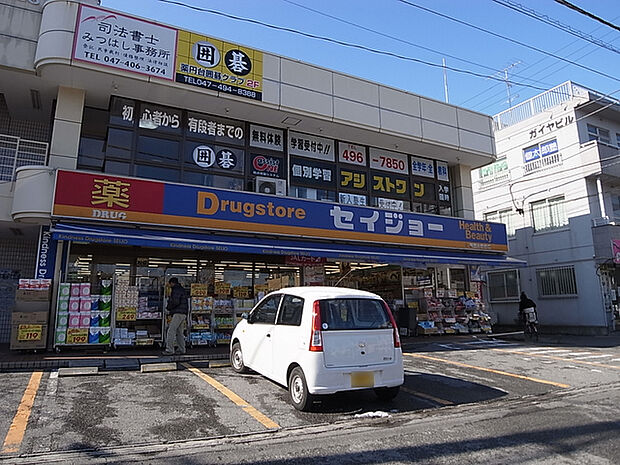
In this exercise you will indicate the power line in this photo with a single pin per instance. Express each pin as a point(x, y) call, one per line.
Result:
point(555, 23)
point(587, 13)
point(344, 44)
point(532, 66)
point(398, 39)
point(495, 34)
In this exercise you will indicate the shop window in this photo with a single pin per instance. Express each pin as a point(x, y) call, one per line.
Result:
point(211, 157)
point(556, 281)
point(117, 167)
point(599, 134)
point(548, 214)
point(424, 207)
point(313, 194)
point(291, 311)
point(212, 180)
point(445, 210)
point(91, 154)
point(266, 311)
point(503, 285)
point(94, 122)
point(154, 149)
point(156, 172)
point(503, 216)
point(122, 111)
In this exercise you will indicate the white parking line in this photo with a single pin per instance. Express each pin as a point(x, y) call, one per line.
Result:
point(579, 353)
point(592, 356)
point(553, 351)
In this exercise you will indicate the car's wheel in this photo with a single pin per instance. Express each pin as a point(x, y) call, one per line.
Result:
point(387, 393)
point(236, 359)
point(298, 390)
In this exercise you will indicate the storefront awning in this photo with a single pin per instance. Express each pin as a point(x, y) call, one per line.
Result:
point(407, 257)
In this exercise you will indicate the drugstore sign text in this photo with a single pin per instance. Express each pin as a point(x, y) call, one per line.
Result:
point(126, 200)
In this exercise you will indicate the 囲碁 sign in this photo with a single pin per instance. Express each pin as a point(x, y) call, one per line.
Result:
point(128, 201)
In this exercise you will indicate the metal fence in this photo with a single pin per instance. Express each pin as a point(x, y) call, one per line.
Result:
point(16, 152)
point(535, 105)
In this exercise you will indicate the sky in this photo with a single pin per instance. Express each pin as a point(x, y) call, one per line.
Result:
point(402, 43)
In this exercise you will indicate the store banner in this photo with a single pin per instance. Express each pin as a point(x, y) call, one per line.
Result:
point(389, 161)
point(102, 197)
point(391, 185)
point(46, 254)
point(218, 65)
point(266, 138)
point(112, 39)
point(305, 145)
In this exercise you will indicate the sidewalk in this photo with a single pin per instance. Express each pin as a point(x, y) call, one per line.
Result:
point(132, 358)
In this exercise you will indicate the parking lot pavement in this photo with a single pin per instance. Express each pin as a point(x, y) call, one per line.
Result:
point(115, 408)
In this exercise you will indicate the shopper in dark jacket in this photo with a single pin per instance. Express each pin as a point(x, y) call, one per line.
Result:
point(524, 303)
point(177, 307)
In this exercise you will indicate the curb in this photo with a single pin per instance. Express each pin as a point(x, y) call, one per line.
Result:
point(122, 364)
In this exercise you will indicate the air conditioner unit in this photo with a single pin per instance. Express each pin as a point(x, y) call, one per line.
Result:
point(272, 186)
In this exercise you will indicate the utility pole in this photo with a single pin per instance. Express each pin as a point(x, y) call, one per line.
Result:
point(445, 80)
point(508, 83)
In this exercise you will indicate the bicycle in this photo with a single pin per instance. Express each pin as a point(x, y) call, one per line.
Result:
point(531, 324)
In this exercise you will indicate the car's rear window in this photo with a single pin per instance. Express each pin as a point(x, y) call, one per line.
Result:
point(344, 314)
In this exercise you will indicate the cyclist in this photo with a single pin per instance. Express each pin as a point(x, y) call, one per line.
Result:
point(528, 315)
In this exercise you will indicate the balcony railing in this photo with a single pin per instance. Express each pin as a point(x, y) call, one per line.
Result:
point(16, 152)
point(537, 104)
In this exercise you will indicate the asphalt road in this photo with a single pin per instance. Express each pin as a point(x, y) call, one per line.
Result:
point(470, 402)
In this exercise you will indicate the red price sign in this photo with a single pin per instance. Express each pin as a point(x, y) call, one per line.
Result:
point(354, 154)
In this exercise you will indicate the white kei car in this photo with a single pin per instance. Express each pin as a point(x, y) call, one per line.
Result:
point(321, 340)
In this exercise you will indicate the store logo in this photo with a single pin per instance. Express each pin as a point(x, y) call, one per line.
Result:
point(238, 62)
point(204, 156)
point(110, 193)
point(206, 54)
point(266, 165)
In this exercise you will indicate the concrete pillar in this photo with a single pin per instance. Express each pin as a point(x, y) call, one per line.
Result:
point(67, 128)
point(463, 194)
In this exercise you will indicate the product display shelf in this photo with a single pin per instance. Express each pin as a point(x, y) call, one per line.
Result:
point(200, 318)
point(138, 311)
point(84, 315)
point(223, 320)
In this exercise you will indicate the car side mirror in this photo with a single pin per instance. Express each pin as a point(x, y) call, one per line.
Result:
point(245, 316)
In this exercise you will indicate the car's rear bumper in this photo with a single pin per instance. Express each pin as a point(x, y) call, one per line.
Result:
point(331, 380)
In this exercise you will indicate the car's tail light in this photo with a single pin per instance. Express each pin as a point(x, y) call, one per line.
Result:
point(394, 328)
point(316, 338)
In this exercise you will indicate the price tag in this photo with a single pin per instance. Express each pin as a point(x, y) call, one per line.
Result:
point(126, 313)
point(261, 287)
point(29, 332)
point(241, 292)
point(222, 288)
point(77, 336)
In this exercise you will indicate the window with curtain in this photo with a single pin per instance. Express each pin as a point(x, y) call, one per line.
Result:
point(503, 285)
point(505, 216)
point(548, 214)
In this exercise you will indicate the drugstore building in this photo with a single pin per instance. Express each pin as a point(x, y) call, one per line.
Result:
point(133, 151)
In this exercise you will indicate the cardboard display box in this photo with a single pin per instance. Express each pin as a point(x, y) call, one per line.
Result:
point(32, 295)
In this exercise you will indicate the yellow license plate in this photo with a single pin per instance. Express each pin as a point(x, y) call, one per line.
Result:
point(362, 379)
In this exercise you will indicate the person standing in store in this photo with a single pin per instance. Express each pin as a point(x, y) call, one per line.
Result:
point(177, 307)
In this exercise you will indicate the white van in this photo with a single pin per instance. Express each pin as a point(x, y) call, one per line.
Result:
point(321, 340)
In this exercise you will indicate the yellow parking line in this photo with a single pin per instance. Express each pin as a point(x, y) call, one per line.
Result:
point(15, 435)
point(260, 417)
point(427, 396)
point(583, 362)
point(498, 372)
